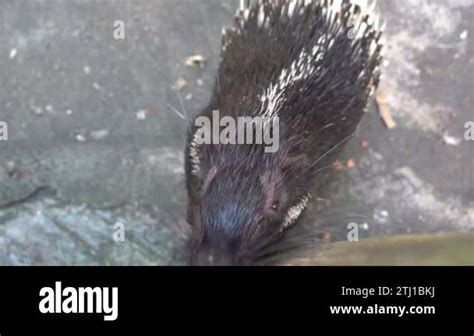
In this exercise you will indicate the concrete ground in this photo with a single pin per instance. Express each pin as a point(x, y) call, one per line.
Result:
point(96, 128)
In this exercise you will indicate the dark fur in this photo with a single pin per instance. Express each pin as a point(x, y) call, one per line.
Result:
point(238, 201)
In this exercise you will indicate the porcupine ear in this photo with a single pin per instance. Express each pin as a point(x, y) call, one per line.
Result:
point(275, 194)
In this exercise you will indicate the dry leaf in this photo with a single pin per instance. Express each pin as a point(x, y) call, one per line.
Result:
point(180, 84)
point(385, 111)
point(196, 61)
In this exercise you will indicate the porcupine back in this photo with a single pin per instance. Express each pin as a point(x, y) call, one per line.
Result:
point(312, 63)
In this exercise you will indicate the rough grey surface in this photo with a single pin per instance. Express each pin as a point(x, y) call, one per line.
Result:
point(54, 233)
point(96, 130)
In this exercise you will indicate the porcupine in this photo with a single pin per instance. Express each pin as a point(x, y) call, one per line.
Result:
point(314, 65)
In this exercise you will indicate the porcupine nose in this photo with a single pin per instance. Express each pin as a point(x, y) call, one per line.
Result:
point(213, 257)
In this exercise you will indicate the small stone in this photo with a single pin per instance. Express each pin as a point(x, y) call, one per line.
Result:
point(381, 216)
point(87, 69)
point(81, 138)
point(450, 140)
point(99, 134)
point(463, 35)
point(196, 61)
point(200, 82)
point(38, 110)
point(49, 108)
point(189, 96)
point(68, 112)
point(13, 53)
point(142, 114)
point(351, 164)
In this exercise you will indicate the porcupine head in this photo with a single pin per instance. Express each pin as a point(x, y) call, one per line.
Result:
point(306, 69)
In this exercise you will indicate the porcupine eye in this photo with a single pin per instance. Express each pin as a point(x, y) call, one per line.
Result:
point(274, 211)
point(274, 201)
